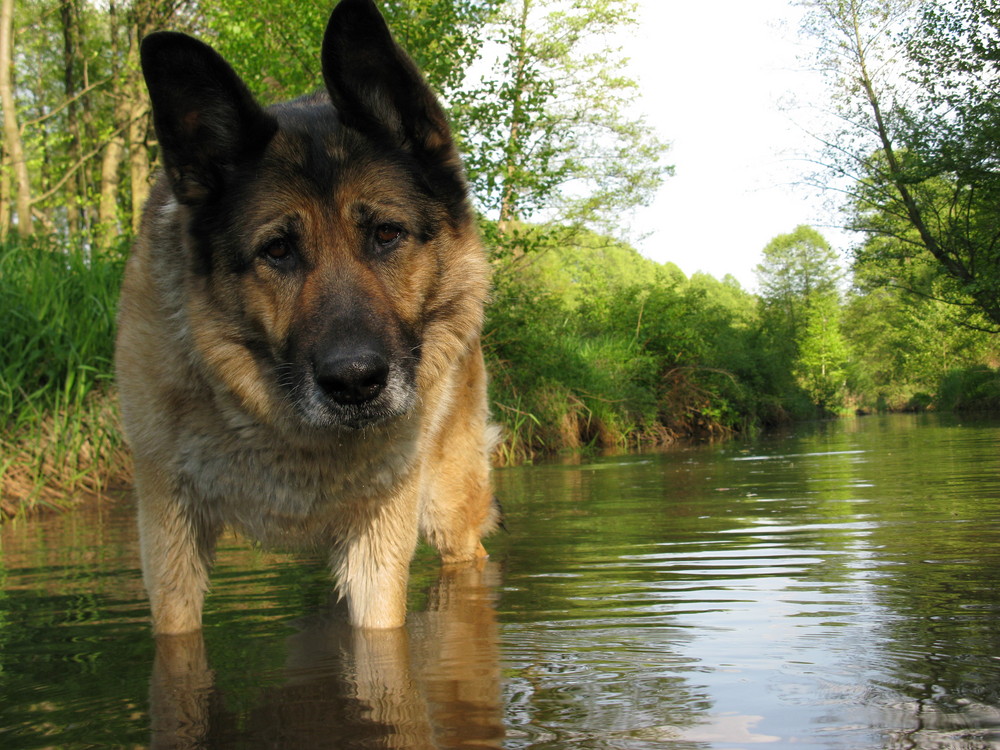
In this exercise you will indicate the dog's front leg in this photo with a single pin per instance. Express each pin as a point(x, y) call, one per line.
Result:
point(177, 549)
point(458, 508)
point(372, 559)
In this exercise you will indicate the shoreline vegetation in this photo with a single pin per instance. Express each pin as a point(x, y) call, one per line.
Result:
point(60, 435)
point(589, 346)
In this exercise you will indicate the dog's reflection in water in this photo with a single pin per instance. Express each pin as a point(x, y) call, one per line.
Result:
point(434, 683)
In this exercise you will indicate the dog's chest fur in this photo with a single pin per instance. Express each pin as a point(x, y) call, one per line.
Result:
point(251, 477)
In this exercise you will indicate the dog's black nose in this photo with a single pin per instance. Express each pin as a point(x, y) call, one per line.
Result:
point(353, 378)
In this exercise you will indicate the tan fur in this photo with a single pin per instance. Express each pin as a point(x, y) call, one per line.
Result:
point(217, 440)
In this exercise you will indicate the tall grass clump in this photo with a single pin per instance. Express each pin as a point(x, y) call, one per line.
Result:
point(57, 320)
point(556, 387)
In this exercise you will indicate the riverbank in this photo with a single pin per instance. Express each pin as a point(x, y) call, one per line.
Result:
point(551, 390)
point(589, 348)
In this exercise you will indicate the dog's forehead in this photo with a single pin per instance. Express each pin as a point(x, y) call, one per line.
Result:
point(309, 139)
point(315, 152)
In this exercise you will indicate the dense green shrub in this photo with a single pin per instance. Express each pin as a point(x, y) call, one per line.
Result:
point(596, 345)
point(969, 389)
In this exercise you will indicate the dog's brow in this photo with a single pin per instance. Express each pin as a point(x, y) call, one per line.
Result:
point(372, 210)
point(284, 225)
point(276, 218)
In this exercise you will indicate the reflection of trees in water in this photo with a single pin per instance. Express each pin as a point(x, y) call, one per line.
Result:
point(926, 490)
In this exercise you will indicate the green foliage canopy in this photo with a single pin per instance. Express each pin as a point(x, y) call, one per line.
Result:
point(918, 113)
point(547, 125)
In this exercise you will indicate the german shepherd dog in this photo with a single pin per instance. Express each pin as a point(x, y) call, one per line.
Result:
point(298, 353)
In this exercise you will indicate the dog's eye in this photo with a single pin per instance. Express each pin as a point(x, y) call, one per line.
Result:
point(279, 253)
point(277, 250)
point(387, 236)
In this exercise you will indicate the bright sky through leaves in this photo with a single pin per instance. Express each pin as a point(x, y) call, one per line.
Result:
point(715, 79)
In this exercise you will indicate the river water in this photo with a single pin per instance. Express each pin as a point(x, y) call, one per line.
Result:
point(837, 586)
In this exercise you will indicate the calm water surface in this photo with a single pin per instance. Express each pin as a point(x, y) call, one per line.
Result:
point(835, 587)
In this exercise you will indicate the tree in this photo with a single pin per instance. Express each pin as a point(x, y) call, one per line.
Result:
point(547, 131)
point(799, 279)
point(77, 151)
point(126, 151)
point(913, 89)
point(821, 364)
point(274, 45)
point(903, 345)
point(70, 17)
point(13, 148)
point(796, 268)
point(954, 49)
point(76, 119)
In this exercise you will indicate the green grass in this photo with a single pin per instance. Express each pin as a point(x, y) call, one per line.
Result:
point(555, 389)
point(57, 321)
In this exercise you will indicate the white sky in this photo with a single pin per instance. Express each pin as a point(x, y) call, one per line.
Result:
point(713, 76)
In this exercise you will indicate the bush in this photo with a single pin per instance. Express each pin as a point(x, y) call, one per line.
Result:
point(580, 357)
point(969, 389)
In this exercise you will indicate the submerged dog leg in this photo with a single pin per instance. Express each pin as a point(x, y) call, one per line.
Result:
point(176, 555)
point(457, 507)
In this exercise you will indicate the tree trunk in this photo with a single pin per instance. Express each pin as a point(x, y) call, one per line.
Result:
point(139, 165)
point(88, 132)
point(4, 195)
point(13, 145)
point(114, 152)
point(508, 201)
point(69, 14)
point(111, 162)
point(138, 151)
point(42, 209)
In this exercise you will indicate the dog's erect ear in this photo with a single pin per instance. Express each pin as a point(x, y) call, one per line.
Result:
point(376, 87)
point(206, 119)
